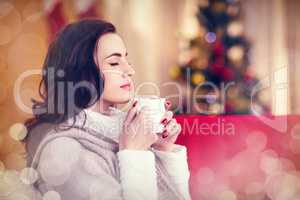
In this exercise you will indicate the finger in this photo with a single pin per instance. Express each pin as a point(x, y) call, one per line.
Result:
point(131, 113)
point(168, 104)
point(179, 128)
point(164, 134)
point(171, 126)
point(176, 130)
point(155, 137)
point(141, 115)
point(167, 117)
point(172, 131)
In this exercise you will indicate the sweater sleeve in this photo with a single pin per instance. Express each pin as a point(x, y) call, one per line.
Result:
point(138, 175)
point(176, 164)
point(78, 174)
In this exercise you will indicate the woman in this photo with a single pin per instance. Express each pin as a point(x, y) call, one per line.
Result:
point(75, 140)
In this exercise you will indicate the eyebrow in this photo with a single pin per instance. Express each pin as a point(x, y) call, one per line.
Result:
point(116, 54)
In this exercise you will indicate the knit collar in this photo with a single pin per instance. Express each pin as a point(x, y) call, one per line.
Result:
point(107, 125)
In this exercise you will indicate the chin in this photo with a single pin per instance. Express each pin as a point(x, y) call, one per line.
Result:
point(123, 98)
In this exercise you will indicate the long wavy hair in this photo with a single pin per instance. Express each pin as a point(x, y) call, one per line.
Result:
point(71, 79)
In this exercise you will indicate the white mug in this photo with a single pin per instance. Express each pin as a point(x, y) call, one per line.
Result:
point(156, 107)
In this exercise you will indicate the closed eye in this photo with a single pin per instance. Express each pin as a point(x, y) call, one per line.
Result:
point(114, 64)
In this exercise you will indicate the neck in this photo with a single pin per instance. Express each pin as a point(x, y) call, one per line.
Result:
point(102, 106)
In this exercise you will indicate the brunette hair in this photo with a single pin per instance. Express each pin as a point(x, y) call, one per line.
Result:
point(71, 79)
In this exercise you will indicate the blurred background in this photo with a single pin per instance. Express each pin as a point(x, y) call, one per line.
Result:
point(246, 45)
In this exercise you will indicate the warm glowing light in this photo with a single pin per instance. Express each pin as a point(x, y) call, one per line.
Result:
point(31, 49)
point(198, 78)
point(269, 163)
point(184, 57)
point(32, 8)
point(2, 168)
point(227, 195)
point(5, 8)
point(295, 132)
point(8, 182)
point(18, 131)
point(280, 93)
point(215, 108)
point(3, 64)
point(190, 26)
point(289, 186)
point(235, 29)
point(5, 118)
point(287, 165)
point(3, 93)
point(236, 53)
point(294, 145)
point(232, 167)
point(254, 188)
point(14, 160)
point(5, 35)
point(29, 175)
point(51, 195)
point(256, 141)
point(10, 22)
point(174, 72)
point(232, 92)
point(210, 37)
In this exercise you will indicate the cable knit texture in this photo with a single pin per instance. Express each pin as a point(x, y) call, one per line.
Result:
point(84, 162)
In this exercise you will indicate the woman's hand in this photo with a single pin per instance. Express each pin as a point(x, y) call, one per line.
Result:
point(170, 133)
point(136, 134)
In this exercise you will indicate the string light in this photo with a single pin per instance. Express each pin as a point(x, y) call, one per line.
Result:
point(210, 37)
point(235, 29)
point(236, 53)
point(197, 78)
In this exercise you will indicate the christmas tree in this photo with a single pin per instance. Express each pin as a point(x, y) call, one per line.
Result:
point(214, 66)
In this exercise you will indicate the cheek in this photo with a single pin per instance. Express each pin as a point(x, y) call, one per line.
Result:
point(112, 90)
point(112, 83)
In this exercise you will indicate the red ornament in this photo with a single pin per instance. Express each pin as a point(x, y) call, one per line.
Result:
point(227, 74)
point(218, 48)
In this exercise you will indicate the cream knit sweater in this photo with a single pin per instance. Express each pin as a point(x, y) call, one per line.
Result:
point(84, 162)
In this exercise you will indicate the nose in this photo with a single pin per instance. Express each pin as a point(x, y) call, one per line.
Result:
point(129, 70)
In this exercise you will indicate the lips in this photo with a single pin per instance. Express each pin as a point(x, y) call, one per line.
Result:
point(125, 86)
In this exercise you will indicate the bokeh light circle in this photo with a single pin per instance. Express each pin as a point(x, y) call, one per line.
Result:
point(10, 22)
point(29, 176)
point(5, 34)
point(210, 37)
point(227, 195)
point(18, 131)
point(205, 176)
point(51, 195)
point(295, 132)
point(256, 141)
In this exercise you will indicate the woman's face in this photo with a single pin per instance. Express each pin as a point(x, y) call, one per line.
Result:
point(112, 59)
